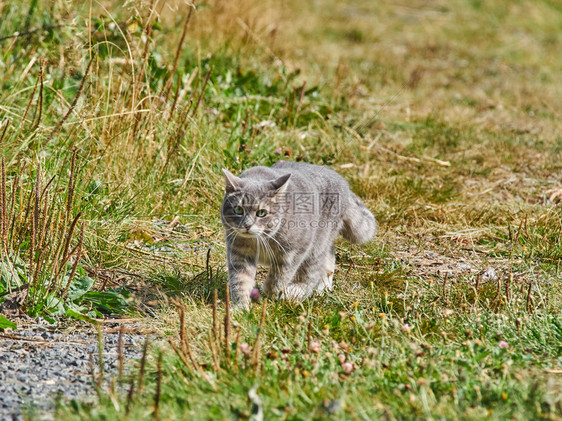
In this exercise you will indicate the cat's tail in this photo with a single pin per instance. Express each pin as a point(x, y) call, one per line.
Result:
point(359, 224)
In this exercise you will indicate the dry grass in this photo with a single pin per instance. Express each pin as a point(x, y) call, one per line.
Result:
point(443, 116)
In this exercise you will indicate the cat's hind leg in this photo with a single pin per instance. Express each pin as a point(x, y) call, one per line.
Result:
point(299, 278)
point(281, 275)
point(270, 286)
point(296, 292)
point(314, 275)
point(289, 282)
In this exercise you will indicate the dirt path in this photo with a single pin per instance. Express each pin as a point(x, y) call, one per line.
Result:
point(40, 365)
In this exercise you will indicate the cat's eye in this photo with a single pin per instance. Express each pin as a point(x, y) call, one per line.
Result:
point(261, 213)
point(238, 210)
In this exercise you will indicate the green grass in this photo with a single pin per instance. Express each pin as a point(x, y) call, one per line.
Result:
point(438, 364)
point(443, 117)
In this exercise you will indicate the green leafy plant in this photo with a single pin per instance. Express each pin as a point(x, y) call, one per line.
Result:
point(42, 242)
point(6, 324)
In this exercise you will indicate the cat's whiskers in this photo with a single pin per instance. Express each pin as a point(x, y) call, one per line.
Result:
point(276, 241)
point(231, 233)
point(259, 241)
point(234, 235)
point(270, 252)
point(258, 248)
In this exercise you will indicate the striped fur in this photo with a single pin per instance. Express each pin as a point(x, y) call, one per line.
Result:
point(287, 217)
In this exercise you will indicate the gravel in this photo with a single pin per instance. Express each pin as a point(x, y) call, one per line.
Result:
point(39, 366)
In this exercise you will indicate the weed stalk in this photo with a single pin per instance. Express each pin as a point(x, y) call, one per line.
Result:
point(169, 82)
point(100, 354)
point(158, 388)
point(130, 395)
point(528, 306)
point(3, 207)
point(142, 365)
point(256, 352)
point(236, 350)
point(227, 324)
point(72, 106)
point(120, 357)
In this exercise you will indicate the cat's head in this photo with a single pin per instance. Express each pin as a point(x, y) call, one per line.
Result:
point(252, 208)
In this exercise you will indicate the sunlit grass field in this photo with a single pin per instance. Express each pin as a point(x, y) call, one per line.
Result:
point(116, 119)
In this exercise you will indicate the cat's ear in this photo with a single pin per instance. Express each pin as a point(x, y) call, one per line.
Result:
point(232, 182)
point(281, 183)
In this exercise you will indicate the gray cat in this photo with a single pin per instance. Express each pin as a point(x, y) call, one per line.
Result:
point(287, 217)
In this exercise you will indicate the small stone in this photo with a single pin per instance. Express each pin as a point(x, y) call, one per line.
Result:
point(490, 274)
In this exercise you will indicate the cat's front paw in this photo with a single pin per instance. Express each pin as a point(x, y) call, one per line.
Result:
point(240, 307)
point(241, 302)
point(240, 295)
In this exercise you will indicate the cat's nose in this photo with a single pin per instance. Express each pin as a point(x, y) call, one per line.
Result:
point(252, 230)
